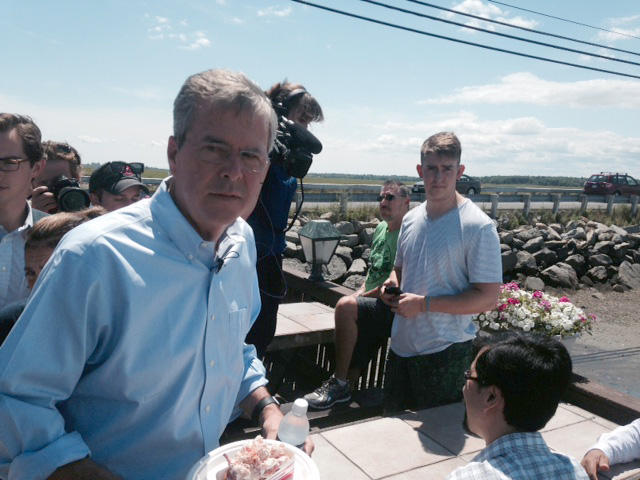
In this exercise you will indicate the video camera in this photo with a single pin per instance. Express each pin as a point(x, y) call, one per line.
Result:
point(69, 195)
point(294, 147)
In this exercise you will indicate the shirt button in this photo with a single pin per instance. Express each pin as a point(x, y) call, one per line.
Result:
point(4, 269)
point(190, 257)
point(213, 317)
point(212, 363)
point(207, 408)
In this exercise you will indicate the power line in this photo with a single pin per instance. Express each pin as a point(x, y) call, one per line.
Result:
point(526, 29)
point(564, 19)
point(457, 40)
point(505, 35)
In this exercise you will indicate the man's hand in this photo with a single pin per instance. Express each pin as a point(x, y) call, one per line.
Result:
point(374, 292)
point(42, 199)
point(595, 461)
point(409, 305)
point(85, 469)
point(270, 419)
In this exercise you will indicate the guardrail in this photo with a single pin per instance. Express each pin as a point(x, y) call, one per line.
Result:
point(344, 194)
point(528, 196)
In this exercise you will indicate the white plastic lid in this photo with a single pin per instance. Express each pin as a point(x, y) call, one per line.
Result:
point(300, 407)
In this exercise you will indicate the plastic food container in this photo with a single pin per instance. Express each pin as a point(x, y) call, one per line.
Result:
point(213, 466)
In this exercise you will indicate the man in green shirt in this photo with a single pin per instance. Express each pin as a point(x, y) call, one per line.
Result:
point(362, 320)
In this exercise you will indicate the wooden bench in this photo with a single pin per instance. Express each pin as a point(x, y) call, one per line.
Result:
point(301, 325)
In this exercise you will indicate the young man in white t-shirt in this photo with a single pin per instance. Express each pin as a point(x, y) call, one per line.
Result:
point(448, 267)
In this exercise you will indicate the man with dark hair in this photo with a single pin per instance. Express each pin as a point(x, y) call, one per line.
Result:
point(21, 160)
point(142, 365)
point(363, 321)
point(117, 184)
point(269, 218)
point(448, 268)
point(512, 390)
point(62, 161)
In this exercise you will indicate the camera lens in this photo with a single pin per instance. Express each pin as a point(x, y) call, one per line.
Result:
point(71, 199)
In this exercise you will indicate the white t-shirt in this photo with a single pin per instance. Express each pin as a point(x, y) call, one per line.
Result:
point(443, 256)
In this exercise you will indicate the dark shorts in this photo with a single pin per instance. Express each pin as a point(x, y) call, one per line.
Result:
point(374, 329)
point(426, 381)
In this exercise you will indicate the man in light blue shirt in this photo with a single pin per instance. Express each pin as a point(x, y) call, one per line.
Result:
point(129, 358)
point(21, 160)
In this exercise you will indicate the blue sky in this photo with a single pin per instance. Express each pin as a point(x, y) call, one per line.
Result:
point(103, 76)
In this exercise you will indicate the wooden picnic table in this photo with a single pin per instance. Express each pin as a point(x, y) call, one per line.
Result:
point(301, 325)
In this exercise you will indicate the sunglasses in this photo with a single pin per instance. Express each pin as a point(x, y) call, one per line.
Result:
point(123, 167)
point(387, 196)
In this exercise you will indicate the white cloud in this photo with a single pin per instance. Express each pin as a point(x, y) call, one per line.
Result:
point(221, 2)
point(490, 11)
point(275, 12)
point(90, 139)
point(625, 26)
point(527, 88)
point(162, 29)
point(144, 93)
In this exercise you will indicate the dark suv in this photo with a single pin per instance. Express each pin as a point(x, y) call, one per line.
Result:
point(611, 184)
point(466, 185)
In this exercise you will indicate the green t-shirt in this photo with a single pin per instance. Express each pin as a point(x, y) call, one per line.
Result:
point(383, 254)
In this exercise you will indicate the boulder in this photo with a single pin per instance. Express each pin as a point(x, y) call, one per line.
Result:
point(366, 235)
point(578, 263)
point(504, 247)
point(346, 254)
point(598, 274)
point(509, 260)
point(345, 228)
point(618, 288)
point(366, 254)
point(533, 283)
point(296, 265)
point(586, 281)
point(545, 258)
point(349, 240)
point(517, 243)
point(358, 267)
point(554, 244)
point(600, 259)
point(506, 237)
point(552, 235)
point(354, 282)
point(292, 237)
point(619, 251)
point(629, 274)
point(525, 263)
point(291, 250)
point(331, 216)
point(577, 233)
point(557, 227)
point(534, 244)
point(336, 270)
point(560, 275)
point(528, 234)
point(603, 246)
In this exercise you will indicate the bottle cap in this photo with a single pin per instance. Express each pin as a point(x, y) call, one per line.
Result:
point(300, 407)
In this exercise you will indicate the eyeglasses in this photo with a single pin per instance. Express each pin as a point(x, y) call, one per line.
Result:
point(123, 168)
point(469, 376)
point(11, 164)
point(220, 154)
point(387, 196)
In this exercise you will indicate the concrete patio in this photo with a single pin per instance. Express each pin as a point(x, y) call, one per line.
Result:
point(429, 444)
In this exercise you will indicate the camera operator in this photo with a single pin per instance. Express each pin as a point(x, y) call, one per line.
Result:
point(58, 184)
point(117, 184)
point(290, 159)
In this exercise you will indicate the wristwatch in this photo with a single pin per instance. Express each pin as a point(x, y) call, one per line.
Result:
point(257, 410)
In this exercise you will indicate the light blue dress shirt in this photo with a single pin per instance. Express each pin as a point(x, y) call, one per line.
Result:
point(131, 347)
point(13, 283)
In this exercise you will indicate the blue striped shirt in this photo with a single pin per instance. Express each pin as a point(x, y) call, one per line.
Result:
point(519, 456)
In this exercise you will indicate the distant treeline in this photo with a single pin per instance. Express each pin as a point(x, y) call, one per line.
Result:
point(531, 180)
point(491, 179)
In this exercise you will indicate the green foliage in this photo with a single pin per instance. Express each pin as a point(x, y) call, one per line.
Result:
point(533, 181)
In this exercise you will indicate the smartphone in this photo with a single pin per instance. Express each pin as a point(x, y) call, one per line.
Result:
point(393, 290)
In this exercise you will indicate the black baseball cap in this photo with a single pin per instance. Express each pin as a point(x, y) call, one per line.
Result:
point(116, 177)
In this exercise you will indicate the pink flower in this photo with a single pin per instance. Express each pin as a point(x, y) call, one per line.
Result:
point(503, 307)
point(511, 286)
point(545, 304)
point(537, 294)
point(564, 299)
point(513, 301)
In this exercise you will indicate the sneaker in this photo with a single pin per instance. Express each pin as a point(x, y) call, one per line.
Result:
point(328, 394)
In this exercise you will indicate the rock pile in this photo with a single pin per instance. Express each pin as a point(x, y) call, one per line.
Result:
point(576, 255)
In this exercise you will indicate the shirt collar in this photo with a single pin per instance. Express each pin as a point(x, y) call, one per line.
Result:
point(24, 228)
point(167, 215)
point(507, 444)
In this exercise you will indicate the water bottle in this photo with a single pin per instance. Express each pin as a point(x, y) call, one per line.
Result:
point(294, 427)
